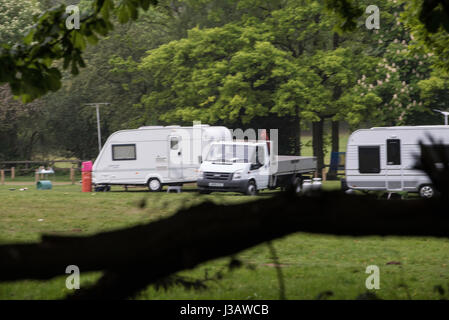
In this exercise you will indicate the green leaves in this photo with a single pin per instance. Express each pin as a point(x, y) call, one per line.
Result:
point(347, 11)
point(128, 9)
point(429, 29)
point(434, 14)
point(49, 40)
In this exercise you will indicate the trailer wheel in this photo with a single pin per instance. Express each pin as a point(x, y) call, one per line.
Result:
point(297, 188)
point(251, 188)
point(154, 185)
point(344, 185)
point(426, 191)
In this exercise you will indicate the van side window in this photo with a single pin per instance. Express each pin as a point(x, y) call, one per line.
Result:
point(393, 151)
point(123, 152)
point(174, 143)
point(369, 159)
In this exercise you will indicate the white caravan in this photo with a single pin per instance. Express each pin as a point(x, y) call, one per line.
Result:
point(154, 156)
point(384, 158)
point(247, 167)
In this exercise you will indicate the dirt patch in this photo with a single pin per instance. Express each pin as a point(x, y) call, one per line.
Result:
point(275, 265)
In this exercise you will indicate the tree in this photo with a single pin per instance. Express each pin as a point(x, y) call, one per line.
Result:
point(111, 75)
point(224, 75)
point(19, 131)
point(283, 60)
point(29, 65)
point(390, 87)
point(16, 19)
point(19, 126)
point(434, 90)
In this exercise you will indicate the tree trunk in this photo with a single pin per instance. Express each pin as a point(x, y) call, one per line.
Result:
point(317, 128)
point(336, 96)
point(335, 40)
point(297, 133)
point(332, 174)
point(335, 136)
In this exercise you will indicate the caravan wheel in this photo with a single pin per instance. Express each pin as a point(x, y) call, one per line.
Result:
point(427, 191)
point(154, 185)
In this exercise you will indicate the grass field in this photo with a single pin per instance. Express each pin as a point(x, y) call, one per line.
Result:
point(311, 264)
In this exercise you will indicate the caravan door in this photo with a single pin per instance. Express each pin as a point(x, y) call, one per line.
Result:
point(393, 169)
point(175, 164)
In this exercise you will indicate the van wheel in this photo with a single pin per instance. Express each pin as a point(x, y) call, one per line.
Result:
point(427, 191)
point(251, 188)
point(154, 185)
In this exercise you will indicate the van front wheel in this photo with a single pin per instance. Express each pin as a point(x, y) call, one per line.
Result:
point(251, 188)
point(154, 185)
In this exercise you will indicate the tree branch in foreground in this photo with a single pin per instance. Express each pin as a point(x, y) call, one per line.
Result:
point(135, 257)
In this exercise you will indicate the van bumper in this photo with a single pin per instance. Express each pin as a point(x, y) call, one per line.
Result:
point(228, 185)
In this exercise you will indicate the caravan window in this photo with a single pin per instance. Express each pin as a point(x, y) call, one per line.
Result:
point(369, 159)
point(393, 151)
point(123, 152)
point(174, 143)
point(436, 152)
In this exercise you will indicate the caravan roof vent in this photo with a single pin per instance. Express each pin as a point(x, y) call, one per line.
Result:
point(173, 126)
point(151, 127)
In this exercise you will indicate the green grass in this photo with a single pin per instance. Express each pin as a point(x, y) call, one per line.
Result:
point(311, 264)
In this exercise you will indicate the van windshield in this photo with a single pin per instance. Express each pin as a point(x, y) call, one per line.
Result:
point(231, 153)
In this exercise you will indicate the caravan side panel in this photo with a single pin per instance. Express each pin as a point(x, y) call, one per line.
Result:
point(392, 175)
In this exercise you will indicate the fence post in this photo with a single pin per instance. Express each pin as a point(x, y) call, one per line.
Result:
point(72, 175)
point(13, 173)
point(2, 177)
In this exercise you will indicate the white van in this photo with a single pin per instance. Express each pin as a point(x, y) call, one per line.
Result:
point(154, 155)
point(247, 167)
point(383, 158)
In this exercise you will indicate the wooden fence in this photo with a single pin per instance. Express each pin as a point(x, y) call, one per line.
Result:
point(20, 166)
